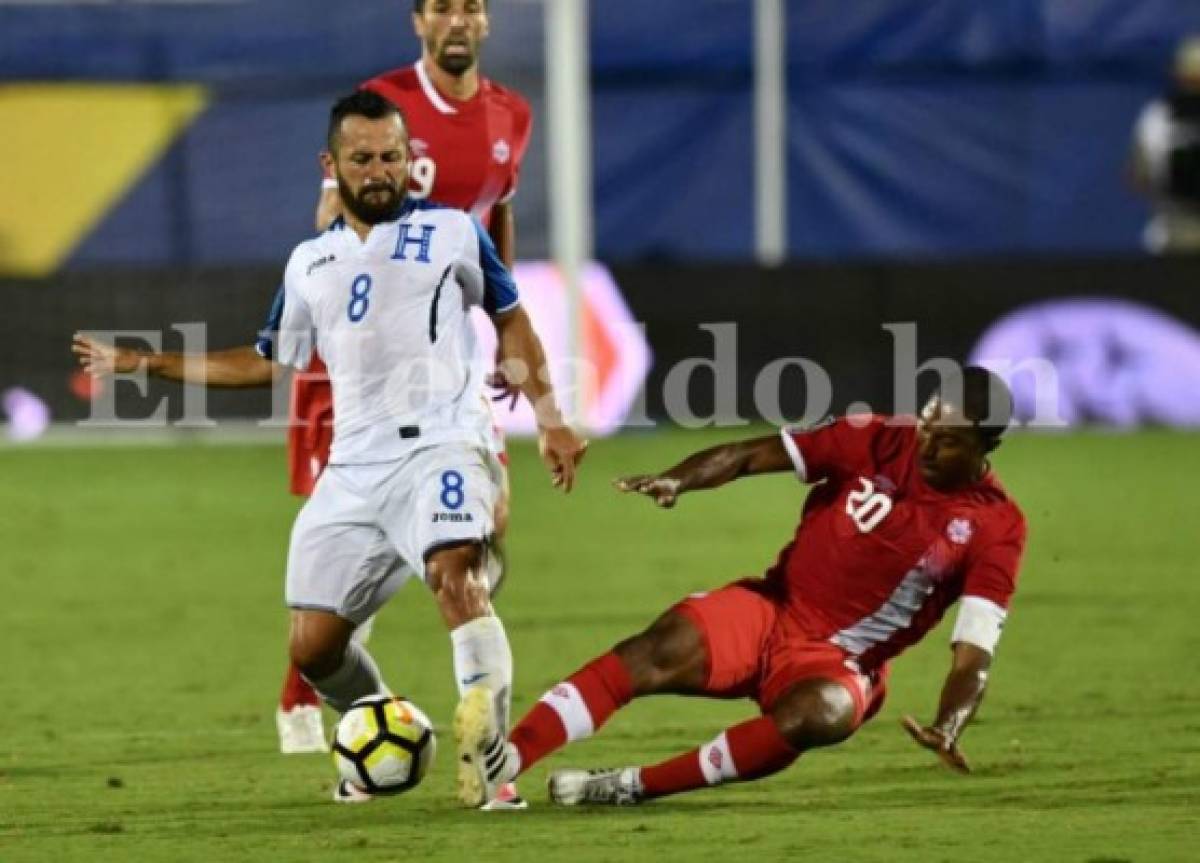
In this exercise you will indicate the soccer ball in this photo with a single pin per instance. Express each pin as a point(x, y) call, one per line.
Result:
point(384, 744)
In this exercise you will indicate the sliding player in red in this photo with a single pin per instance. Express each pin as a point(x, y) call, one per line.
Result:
point(468, 137)
point(906, 518)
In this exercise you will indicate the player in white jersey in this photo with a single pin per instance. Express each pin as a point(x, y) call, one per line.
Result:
point(384, 296)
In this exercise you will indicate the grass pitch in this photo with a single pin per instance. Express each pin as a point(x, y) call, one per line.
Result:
point(143, 639)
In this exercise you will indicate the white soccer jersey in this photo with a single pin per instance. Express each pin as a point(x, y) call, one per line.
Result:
point(389, 317)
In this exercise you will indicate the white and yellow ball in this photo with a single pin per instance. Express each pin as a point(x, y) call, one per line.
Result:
point(384, 744)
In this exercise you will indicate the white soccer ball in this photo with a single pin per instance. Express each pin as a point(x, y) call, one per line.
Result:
point(384, 744)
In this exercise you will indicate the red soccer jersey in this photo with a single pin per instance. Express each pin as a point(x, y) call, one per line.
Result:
point(465, 154)
point(879, 555)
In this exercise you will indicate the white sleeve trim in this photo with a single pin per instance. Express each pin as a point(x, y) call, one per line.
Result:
point(794, 454)
point(979, 623)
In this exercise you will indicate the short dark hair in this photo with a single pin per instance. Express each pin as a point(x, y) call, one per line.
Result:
point(360, 103)
point(419, 6)
point(987, 402)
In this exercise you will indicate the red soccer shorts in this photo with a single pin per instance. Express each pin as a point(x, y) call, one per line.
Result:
point(756, 651)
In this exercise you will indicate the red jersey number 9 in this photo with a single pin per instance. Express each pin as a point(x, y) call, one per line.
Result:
point(421, 174)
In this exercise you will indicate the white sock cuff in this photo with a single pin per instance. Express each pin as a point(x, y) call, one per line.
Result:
point(716, 761)
point(565, 700)
point(481, 628)
point(357, 677)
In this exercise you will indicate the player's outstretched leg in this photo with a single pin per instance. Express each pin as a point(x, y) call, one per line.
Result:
point(482, 657)
point(670, 656)
point(811, 714)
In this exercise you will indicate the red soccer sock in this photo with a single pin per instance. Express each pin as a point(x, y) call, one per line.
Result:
point(751, 750)
point(296, 691)
point(574, 709)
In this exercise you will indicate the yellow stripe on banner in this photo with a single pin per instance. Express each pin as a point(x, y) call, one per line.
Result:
point(69, 153)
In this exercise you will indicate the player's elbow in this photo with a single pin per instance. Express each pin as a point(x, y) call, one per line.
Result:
point(264, 374)
point(250, 369)
point(765, 455)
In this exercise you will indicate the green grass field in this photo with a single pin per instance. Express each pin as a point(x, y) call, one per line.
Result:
point(143, 638)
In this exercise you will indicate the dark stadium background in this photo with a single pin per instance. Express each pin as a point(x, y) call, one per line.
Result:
point(959, 164)
point(976, 148)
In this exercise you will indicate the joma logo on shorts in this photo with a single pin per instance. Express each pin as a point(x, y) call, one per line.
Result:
point(452, 516)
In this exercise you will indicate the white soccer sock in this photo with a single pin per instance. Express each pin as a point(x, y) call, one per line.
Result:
point(357, 678)
point(482, 656)
point(362, 634)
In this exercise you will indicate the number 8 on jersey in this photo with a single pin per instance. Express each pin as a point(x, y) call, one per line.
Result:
point(360, 298)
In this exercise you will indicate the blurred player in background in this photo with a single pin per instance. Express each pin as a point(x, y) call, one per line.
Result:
point(468, 137)
point(413, 480)
point(1166, 157)
point(907, 518)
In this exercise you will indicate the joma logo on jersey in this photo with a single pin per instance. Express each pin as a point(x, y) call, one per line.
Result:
point(320, 262)
point(455, 517)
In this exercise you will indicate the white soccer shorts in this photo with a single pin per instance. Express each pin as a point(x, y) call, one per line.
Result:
point(367, 529)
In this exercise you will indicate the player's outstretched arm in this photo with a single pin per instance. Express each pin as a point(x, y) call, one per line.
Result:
point(503, 231)
point(962, 694)
point(711, 468)
point(236, 367)
point(525, 365)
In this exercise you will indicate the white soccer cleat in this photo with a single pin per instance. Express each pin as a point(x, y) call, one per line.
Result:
point(613, 787)
point(347, 792)
point(507, 799)
point(301, 730)
point(486, 761)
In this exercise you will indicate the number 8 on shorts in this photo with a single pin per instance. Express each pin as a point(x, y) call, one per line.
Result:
point(452, 490)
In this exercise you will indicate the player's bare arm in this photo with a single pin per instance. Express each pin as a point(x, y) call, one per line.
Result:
point(503, 231)
point(235, 367)
point(329, 204)
point(961, 696)
point(711, 468)
point(526, 366)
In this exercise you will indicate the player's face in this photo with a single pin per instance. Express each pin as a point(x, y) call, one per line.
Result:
point(452, 32)
point(950, 452)
point(371, 166)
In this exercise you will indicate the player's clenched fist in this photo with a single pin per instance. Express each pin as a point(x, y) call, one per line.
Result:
point(99, 359)
point(663, 490)
point(562, 450)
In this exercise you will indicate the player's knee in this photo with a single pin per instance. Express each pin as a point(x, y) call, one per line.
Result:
point(456, 577)
point(666, 656)
point(452, 570)
point(317, 642)
point(316, 658)
point(815, 713)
